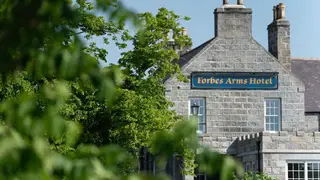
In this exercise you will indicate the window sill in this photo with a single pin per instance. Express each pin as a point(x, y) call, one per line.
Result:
point(200, 135)
point(273, 132)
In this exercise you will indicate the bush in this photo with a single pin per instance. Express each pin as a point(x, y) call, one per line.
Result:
point(255, 176)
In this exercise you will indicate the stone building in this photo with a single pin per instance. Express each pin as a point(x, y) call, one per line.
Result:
point(260, 106)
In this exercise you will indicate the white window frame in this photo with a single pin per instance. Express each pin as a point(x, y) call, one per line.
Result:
point(200, 114)
point(305, 168)
point(273, 115)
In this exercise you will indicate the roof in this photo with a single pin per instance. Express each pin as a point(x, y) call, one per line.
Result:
point(186, 57)
point(308, 71)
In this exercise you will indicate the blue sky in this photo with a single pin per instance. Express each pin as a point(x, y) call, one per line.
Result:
point(303, 16)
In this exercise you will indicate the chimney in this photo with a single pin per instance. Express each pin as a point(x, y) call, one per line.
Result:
point(184, 31)
point(186, 48)
point(173, 44)
point(233, 20)
point(279, 36)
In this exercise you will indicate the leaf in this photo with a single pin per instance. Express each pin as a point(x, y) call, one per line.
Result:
point(73, 133)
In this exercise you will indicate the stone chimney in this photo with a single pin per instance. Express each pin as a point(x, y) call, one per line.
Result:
point(279, 36)
point(186, 48)
point(173, 44)
point(233, 20)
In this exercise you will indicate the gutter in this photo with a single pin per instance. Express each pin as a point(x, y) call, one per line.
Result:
point(258, 154)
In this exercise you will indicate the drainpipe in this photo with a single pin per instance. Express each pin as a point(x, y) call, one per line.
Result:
point(258, 148)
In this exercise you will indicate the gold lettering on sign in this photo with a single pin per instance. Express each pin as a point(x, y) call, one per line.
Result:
point(233, 81)
point(237, 81)
point(199, 80)
point(229, 81)
point(240, 81)
point(259, 81)
point(211, 80)
point(251, 81)
point(268, 81)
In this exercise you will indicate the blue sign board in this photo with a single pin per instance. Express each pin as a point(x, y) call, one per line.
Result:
point(236, 80)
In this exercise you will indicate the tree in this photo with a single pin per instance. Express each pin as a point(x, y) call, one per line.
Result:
point(142, 92)
point(46, 68)
point(141, 106)
point(41, 38)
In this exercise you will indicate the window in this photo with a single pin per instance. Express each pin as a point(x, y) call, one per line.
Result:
point(250, 167)
point(272, 114)
point(247, 168)
point(253, 167)
point(298, 171)
point(202, 113)
point(313, 171)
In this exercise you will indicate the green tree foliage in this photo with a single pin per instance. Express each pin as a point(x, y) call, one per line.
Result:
point(255, 176)
point(142, 92)
point(142, 108)
point(56, 101)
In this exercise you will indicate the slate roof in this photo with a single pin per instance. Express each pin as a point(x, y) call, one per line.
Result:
point(186, 57)
point(308, 70)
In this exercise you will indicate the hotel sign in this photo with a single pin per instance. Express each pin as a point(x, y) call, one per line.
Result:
point(234, 80)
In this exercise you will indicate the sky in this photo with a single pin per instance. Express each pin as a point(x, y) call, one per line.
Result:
point(303, 16)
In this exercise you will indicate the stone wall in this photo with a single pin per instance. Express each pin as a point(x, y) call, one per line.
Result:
point(290, 142)
point(225, 145)
point(234, 113)
point(278, 148)
point(313, 120)
point(247, 151)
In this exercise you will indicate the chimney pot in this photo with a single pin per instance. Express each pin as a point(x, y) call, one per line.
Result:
point(184, 31)
point(240, 2)
point(282, 11)
point(225, 2)
point(278, 12)
point(275, 13)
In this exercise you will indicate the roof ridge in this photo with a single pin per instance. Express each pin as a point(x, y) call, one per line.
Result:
point(197, 47)
point(186, 57)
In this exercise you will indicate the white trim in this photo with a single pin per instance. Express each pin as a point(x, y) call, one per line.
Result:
point(305, 170)
point(286, 171)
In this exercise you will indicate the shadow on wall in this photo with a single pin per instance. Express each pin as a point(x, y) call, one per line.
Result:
point(232, 149)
